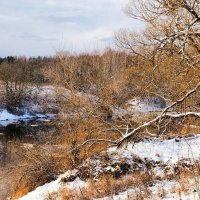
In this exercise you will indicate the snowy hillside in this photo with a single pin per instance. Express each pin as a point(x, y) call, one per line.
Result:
point(160, 158)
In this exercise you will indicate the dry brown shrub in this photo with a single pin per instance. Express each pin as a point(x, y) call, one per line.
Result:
point(80, 129)
point(36, 166)
point(114, 77)
point(66, 194)
point(188, 177)
point(107, 185)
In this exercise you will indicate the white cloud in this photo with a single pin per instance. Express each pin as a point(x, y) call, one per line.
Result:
point(35, 27)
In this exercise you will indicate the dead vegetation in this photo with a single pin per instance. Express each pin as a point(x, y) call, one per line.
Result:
point(163, 61)
point(87, 127)
point(138, 185)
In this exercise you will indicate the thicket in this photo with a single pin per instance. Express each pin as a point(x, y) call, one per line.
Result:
point(161, 61)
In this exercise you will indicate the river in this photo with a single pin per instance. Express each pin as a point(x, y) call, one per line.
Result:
point(23, 131)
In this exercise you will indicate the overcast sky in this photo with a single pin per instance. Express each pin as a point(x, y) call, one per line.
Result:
point(42, 27)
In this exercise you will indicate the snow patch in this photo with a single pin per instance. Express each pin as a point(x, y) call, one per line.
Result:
point(7, 118)
point(165, 190)
point(42, 192)
point(167, 151)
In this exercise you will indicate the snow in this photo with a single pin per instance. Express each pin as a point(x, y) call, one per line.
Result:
point(123, 195)
point(137, 106)
point(42, 192)
point(147, 105)
point(5, 115)
point(165, 190)
point(32, 109)
point(44, 103)
point(171, 190)
point(167, 151)
point(7, 118)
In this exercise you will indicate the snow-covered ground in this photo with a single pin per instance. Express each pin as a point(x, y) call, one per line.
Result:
point(147, 104)
point(170, 152)
point(167, 151)
point(44, 103)
point(32, 109)
point(163, 190)
point(42, 192)
point(7, 118)
point(138, 106)
point(164, 152)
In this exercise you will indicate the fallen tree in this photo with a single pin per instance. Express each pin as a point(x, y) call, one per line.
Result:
point(172, 31)
point(128, 135)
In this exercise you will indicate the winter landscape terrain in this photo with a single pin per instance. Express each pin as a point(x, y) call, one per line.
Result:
point(150, 168)
point(121, 122)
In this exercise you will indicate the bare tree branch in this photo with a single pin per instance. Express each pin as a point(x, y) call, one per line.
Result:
point(160, 117)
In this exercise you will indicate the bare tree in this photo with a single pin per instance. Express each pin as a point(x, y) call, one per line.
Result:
point(172, 29)
point(15, 78)
point(172, 26)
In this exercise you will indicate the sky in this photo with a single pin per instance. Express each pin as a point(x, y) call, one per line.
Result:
point(44, 27)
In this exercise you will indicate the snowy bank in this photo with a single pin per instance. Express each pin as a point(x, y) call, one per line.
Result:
point(167, 151)
point(7, 118)
point(42, 192)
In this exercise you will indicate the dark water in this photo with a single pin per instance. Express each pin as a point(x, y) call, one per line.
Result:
point(23, 132)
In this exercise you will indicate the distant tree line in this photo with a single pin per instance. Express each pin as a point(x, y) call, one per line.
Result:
point(34, 66)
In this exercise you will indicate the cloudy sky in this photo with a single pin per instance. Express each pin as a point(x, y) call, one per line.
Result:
point(42, 27)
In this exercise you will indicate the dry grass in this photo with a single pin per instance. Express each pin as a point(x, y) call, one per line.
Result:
point(189, 177)
point(34, 166)
point(39, 164)
point(107, 185)
point(84, 129)
point(113, 78)
point(62, 155)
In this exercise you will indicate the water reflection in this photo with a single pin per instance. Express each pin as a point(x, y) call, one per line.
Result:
point(25, 132)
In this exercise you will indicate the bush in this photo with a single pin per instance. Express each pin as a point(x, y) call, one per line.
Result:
point(15, 80)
